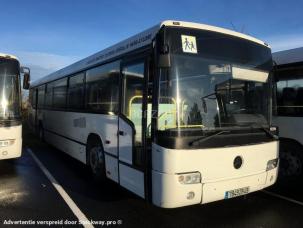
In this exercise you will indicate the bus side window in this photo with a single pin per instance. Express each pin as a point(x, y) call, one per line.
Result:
point(34, 104)
point(49, 95)
point(59, 96)
point(30, 96)
point(289, 96)
point(102, 88)
point(76, 92)
point(41, 93)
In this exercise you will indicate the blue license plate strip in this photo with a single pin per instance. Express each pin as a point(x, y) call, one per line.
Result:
point(236, 192)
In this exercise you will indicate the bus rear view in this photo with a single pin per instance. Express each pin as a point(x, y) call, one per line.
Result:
point(10, 108)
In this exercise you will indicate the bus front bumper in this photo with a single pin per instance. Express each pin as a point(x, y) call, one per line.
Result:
point(11, 151)
point(168, 192)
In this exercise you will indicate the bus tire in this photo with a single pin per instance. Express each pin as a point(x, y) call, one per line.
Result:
point(291, 160)
point(96, 160)
point(41, 133)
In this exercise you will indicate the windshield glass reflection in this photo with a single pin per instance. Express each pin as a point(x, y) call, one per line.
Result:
point(195, 94)
point(9, 89)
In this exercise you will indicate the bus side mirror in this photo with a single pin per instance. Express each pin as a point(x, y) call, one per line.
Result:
point(164, 60)
point(26, 79)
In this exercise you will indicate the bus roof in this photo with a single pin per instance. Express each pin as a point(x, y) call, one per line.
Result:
point(3, 55)
point(288, 56)
point(137, 41)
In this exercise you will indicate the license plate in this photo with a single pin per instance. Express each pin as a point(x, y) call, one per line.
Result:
point(236, 192)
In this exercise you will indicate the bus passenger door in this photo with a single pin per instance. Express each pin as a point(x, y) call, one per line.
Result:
point(130, 132)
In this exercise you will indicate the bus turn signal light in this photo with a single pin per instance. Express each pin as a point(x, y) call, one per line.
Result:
point(8, 142)
point(189, 178)
point(271, 164)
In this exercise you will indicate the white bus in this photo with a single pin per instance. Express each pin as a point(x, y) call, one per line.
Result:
point(179, 114)
point(289, 111)
point(10, 106)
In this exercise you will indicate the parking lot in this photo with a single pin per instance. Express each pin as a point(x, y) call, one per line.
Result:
point(45, 186)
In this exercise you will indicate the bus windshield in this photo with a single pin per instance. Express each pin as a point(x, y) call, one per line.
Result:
point(9, 89)
point(199, 90)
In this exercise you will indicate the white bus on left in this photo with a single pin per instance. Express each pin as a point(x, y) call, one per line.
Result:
point(10, 106)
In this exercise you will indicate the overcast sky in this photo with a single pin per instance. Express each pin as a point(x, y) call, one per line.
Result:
point(49, 34)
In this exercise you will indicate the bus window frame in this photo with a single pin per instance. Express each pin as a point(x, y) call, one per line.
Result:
point(289, 69)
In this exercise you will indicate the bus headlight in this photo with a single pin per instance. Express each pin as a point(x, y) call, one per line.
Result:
point(8, 142)
point(189, 178)
point(271, 164)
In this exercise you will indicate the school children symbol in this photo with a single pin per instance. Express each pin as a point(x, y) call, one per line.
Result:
point(189, 44)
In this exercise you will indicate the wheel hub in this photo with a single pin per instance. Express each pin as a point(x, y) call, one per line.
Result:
point(95, 158)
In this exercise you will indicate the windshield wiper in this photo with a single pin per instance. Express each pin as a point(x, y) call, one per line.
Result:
point(204, 138)
point(259, 126)
point(268, 132)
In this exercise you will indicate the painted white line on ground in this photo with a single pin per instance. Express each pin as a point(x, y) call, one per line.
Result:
point(75, 209)
point(283, 197)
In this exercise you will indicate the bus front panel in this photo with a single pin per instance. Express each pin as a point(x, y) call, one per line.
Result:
point(213, 134)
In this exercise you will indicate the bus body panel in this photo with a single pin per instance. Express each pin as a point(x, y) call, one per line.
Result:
point(13, 150)
point(132, 179)
point(289, 127)
point(215, 164)
point(218, 174)
point(167, 192)
point(69, 131)
point(111, 167)
point(73, 149)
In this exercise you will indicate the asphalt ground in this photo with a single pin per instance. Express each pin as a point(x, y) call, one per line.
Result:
point(47, 186)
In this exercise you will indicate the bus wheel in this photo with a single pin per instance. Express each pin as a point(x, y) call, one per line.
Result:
point(41, 133)
point(291, 160)
point(97, 161)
